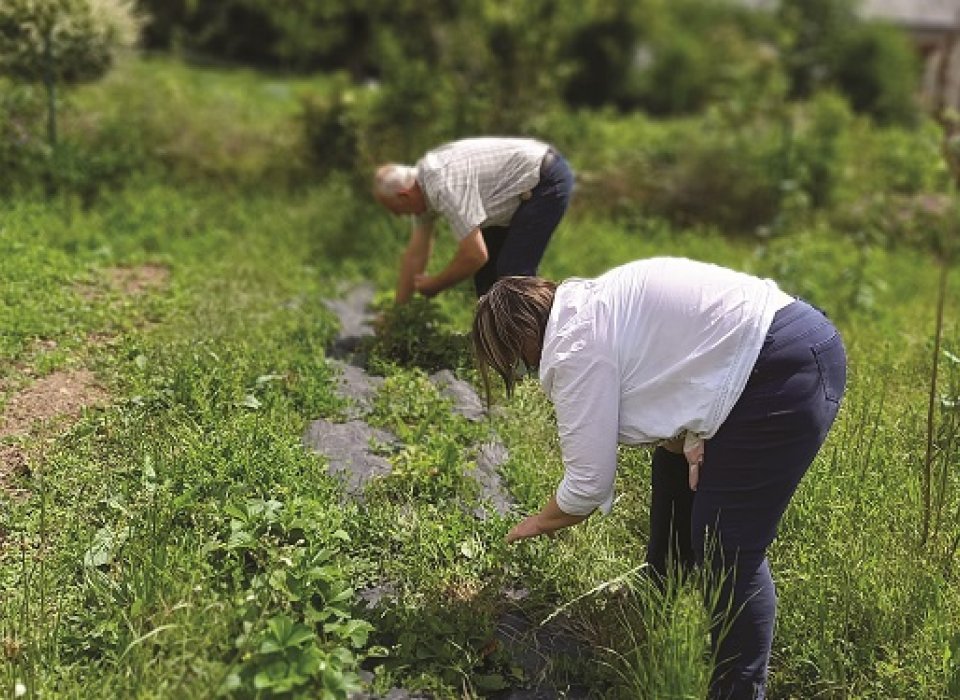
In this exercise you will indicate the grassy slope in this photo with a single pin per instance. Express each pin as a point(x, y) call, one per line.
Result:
point(147, 561)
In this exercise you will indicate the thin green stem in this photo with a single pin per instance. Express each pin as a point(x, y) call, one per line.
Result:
point(931, 405)
point(50, 83)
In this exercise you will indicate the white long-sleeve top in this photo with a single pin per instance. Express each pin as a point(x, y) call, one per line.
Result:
point(646, 352)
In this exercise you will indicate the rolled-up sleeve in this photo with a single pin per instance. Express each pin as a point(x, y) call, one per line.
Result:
point(586, 396)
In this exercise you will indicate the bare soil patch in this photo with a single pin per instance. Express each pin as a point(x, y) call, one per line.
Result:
point(137, 280)
point(128, 281)
point(13, 463)
point(60, 396)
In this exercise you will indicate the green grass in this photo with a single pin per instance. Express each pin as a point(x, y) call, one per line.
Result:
point(181, 542)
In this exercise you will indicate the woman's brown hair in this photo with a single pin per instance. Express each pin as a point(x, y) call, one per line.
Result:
point(513, 312)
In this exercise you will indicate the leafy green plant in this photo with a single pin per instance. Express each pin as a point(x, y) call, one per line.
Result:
point(878, 70)
point(286, 657)
point(415, 334)
point(281, 565)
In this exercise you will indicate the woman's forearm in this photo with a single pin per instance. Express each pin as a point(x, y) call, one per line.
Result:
point(547, 521)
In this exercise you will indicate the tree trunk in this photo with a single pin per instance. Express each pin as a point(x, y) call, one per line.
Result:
point(50, 83)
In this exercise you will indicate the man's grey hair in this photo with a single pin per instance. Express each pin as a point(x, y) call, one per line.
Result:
point(392, 178)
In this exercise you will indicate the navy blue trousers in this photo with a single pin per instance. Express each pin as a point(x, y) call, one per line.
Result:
point(751, 468)
point(518, 248)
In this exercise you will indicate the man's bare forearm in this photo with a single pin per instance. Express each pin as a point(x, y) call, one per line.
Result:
point(471, 255)
point(413, 262)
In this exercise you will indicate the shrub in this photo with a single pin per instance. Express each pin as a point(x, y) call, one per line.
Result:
point(811, 33)
point(819, 145)
point(225, 126)
point(603, 53)
point(300, 35)
point(880, 73)
point(872, 64)
point(670, 58)
point(23, 150)
point(722, 178)
point(710, 170)
point(331, 130)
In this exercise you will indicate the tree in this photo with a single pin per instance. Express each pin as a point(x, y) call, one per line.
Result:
point(813, 33)
point(63, 42)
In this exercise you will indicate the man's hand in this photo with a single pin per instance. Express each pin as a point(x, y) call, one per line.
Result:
point(471, 255)
point(414, 261)
point(426, 285)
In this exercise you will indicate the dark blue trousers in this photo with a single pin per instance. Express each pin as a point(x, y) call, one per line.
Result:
point(751, 468)
point(518, 248)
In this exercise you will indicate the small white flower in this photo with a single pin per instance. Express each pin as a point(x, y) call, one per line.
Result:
point(19, 690)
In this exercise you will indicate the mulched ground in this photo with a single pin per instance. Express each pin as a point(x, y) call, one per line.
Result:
point(350, 456)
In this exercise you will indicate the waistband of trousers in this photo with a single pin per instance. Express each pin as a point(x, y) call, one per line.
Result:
point(549, 158)
point(797, 311)
point(797, 322)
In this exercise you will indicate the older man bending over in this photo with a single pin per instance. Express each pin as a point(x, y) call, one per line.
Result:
point(503, 198)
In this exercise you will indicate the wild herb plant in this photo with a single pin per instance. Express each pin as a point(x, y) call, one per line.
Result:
point(417, 335)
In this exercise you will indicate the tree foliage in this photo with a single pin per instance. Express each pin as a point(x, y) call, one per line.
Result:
point(492, 64)
point(826, 46)
point(65, 40)
point(62, 41)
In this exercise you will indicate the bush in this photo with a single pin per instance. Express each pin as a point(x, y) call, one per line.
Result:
point(826, 46)
point(811, 33)
point(602, 53)
point(69, 41)
point(23, 150)
point(819, 147)
point(723, 177)
point(331, 130)
point(709, 170)
point(879, 71)
point(91, 155)
point(671, 58)
point(298, 35)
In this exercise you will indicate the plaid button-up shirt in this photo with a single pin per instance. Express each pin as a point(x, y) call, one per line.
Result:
point(477, 183)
